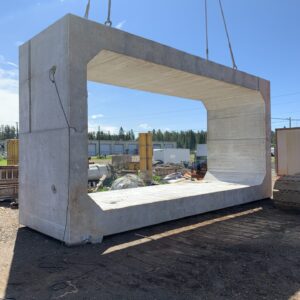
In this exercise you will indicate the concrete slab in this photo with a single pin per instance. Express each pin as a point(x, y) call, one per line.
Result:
point(152, 194)
point(53, 197)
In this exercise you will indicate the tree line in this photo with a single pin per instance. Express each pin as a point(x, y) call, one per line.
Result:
point(8, 132)
point(122, 135)
point(184, 139)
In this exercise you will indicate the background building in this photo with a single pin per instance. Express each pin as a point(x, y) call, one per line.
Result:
point(109, 147)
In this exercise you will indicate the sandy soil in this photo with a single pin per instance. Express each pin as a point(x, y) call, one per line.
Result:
point(247, 252)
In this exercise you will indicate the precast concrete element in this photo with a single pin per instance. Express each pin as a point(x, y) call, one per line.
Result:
point(54, 141)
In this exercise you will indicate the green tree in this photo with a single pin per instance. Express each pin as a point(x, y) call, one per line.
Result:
point(121, 133)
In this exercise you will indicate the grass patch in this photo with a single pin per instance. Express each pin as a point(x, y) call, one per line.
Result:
point(192, 157)
point(158, 179)
point(3, 162)
point(101, 160)
point(104, 189)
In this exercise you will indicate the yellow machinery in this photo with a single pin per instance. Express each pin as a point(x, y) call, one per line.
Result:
point(146, 154)
point(12, 152)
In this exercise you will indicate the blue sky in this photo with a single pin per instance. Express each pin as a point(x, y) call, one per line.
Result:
point(265, 36)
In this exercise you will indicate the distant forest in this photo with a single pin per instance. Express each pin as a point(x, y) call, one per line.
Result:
point(8, 132)
point(184, 139)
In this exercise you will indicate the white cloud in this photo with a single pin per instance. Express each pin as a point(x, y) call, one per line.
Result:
point(9, 94)
point(145, 126)
point(9, 112)
point(95, 117)
point(121, 24)
point(5, 62)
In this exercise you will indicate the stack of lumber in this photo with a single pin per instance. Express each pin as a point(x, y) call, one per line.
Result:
point(9, 182)
point(287, 192)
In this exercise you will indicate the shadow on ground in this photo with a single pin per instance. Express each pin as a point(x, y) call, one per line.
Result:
point(5, 203)
point(247, 252)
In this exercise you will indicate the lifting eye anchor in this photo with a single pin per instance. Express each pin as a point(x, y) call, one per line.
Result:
point(108, 22)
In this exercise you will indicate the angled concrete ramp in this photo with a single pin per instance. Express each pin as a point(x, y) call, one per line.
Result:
point(53, 162)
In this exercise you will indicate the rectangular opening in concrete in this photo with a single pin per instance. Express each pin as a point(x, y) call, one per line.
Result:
point(117, 116)
point(197, 121)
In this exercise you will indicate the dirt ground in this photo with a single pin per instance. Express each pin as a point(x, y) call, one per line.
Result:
point(247, 252)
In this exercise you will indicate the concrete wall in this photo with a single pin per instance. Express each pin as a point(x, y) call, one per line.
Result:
point(53, 149)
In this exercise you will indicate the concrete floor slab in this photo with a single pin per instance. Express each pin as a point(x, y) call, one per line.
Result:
point(152, 194)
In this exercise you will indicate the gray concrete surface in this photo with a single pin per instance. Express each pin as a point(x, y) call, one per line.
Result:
point(53, 162)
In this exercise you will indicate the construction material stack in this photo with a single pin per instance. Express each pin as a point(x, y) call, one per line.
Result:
point(287, 192)
point(9, 175)
point(146, 156)
point(12, 152)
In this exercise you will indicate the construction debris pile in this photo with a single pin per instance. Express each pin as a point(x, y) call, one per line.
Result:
point(131, 171)
point(128, 181)
point(124, 172)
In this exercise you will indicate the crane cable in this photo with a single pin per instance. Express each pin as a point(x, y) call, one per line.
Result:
point(228, 39)
point(108, 21)
point(87, 10)
point(206, 29)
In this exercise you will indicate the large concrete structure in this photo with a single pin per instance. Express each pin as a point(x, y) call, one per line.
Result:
point(53, 162)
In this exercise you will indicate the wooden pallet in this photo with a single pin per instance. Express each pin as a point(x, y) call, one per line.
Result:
point(9, 182)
